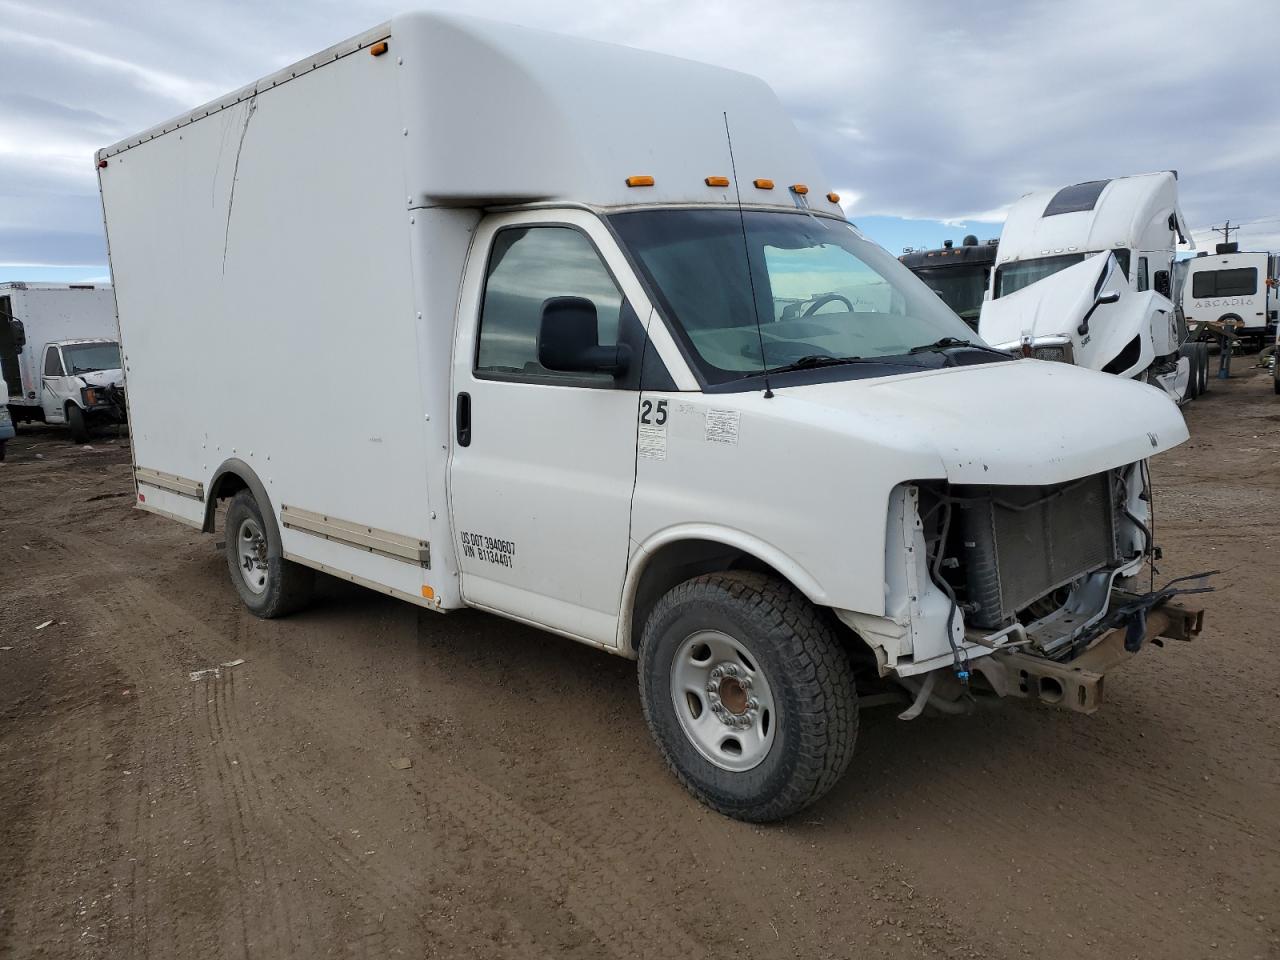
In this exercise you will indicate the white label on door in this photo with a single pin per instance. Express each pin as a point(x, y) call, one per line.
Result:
point(653, 441)
point(722, 426)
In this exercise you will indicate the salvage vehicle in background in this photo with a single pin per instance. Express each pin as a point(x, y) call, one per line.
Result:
point(6, 422)
point(959, 275)
point(643, 385)
point(1234, 288)
point(60, 354)
point(1084, 275)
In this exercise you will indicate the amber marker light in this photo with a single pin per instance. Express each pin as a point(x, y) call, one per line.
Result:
point(833, 197)
point(640, 181)
point(763, 184)
point(378, 49)
point(717, 181)
point(799, 188)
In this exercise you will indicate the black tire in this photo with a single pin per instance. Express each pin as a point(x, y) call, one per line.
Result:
point(3, 444)
point(285, 586)
point(1275, 379)
point(76, 422)
point(1203, 350)
point(1192, 391)
point(807, 671)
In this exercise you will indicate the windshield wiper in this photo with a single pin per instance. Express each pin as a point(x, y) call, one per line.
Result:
point(948, 343)
point(814, 360)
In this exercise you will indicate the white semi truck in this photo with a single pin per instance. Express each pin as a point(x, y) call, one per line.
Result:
point(60, 355)
point(1084, 275)
point(641, 384)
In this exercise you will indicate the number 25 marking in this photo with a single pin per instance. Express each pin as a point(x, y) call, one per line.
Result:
point(659, 414)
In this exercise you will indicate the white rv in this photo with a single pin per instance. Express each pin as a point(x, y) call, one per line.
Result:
point(1235, 288)
point(1084, 274)
point(60, 355)
point(641, 384)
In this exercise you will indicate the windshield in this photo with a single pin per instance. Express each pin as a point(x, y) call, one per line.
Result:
point(88, 357)
point(1012, 277)
point(821, 289)
point(960, 287)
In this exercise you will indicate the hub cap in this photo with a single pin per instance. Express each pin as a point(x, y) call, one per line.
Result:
point(722, 700)
point(251, 550)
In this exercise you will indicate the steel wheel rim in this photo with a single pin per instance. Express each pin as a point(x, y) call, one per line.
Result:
point(723, 701)
point(251, 555)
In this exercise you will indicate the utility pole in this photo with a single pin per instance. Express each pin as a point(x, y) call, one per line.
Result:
point(1226, 230)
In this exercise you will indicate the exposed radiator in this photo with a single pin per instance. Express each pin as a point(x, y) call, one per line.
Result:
point(1021, 543)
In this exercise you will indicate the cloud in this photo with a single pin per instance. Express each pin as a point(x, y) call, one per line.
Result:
point(924, 111)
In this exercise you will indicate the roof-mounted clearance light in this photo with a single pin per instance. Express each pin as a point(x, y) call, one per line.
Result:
point(833, 197)
point(640, 181)
point(102, 163)
point(717, 181)
point(763, 184)
point(378, 49)
point(799, 188)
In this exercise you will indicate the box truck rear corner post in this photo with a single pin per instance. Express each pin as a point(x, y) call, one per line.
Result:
point(639, 382)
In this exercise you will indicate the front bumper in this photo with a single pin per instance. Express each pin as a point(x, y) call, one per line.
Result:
point(1077, 685)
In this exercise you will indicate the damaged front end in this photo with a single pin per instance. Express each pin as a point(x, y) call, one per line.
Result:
point(1024, 591)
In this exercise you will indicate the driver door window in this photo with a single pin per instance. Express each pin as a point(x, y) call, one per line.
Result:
point(527, 267)
point(53, 363)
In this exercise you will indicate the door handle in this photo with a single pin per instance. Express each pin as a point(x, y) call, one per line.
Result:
point(463, 416)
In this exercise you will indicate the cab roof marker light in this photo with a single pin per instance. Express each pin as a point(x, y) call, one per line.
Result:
point(378, 49)
point(799, 188)
point(763, 183)
point(833, 197)
point(717, 181)
point(640, 181)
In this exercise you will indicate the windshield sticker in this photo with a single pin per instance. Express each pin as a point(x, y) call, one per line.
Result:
point(722, 426)
point(489, 549)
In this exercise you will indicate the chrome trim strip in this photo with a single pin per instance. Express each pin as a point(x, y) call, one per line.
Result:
point(383, 542)
point(171, 482)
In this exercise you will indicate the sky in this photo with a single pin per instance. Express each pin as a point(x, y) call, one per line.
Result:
point(930, 117)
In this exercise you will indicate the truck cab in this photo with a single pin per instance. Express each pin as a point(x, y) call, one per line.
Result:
point(960, 276)
point(1061, 250)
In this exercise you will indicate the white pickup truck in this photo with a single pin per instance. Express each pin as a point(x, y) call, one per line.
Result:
point(641, 384)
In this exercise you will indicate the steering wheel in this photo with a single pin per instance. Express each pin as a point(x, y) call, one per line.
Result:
point(822, 301)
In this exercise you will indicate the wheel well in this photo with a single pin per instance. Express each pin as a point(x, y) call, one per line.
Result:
point(674, 563)
point(225, 486)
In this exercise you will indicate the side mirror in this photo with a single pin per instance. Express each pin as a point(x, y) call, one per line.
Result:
point(1100, 298)
point(18, 333)
point(1107, 296)
point(569, 340)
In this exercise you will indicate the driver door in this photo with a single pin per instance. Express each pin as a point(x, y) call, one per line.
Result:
point(543, 462)
point(53, 385)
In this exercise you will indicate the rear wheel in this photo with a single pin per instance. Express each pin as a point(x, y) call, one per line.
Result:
point(76, 422)
point(749, 694)
point(1202, 350)
point(269, 585)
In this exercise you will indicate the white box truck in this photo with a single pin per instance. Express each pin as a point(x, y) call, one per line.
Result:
point(60, 355)
point(734, 440)
point(1236, 288)
point(1084, 275)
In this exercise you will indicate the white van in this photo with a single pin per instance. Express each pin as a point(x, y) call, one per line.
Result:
point(60, 353)
point(641, 384)
point(1235, 288)
point(1084, 274)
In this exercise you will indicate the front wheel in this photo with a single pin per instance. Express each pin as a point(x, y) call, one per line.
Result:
point(749, 694)
point(76, 422)
point(269, 585)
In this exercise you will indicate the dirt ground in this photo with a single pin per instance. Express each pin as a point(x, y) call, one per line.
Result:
point(259, 813)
